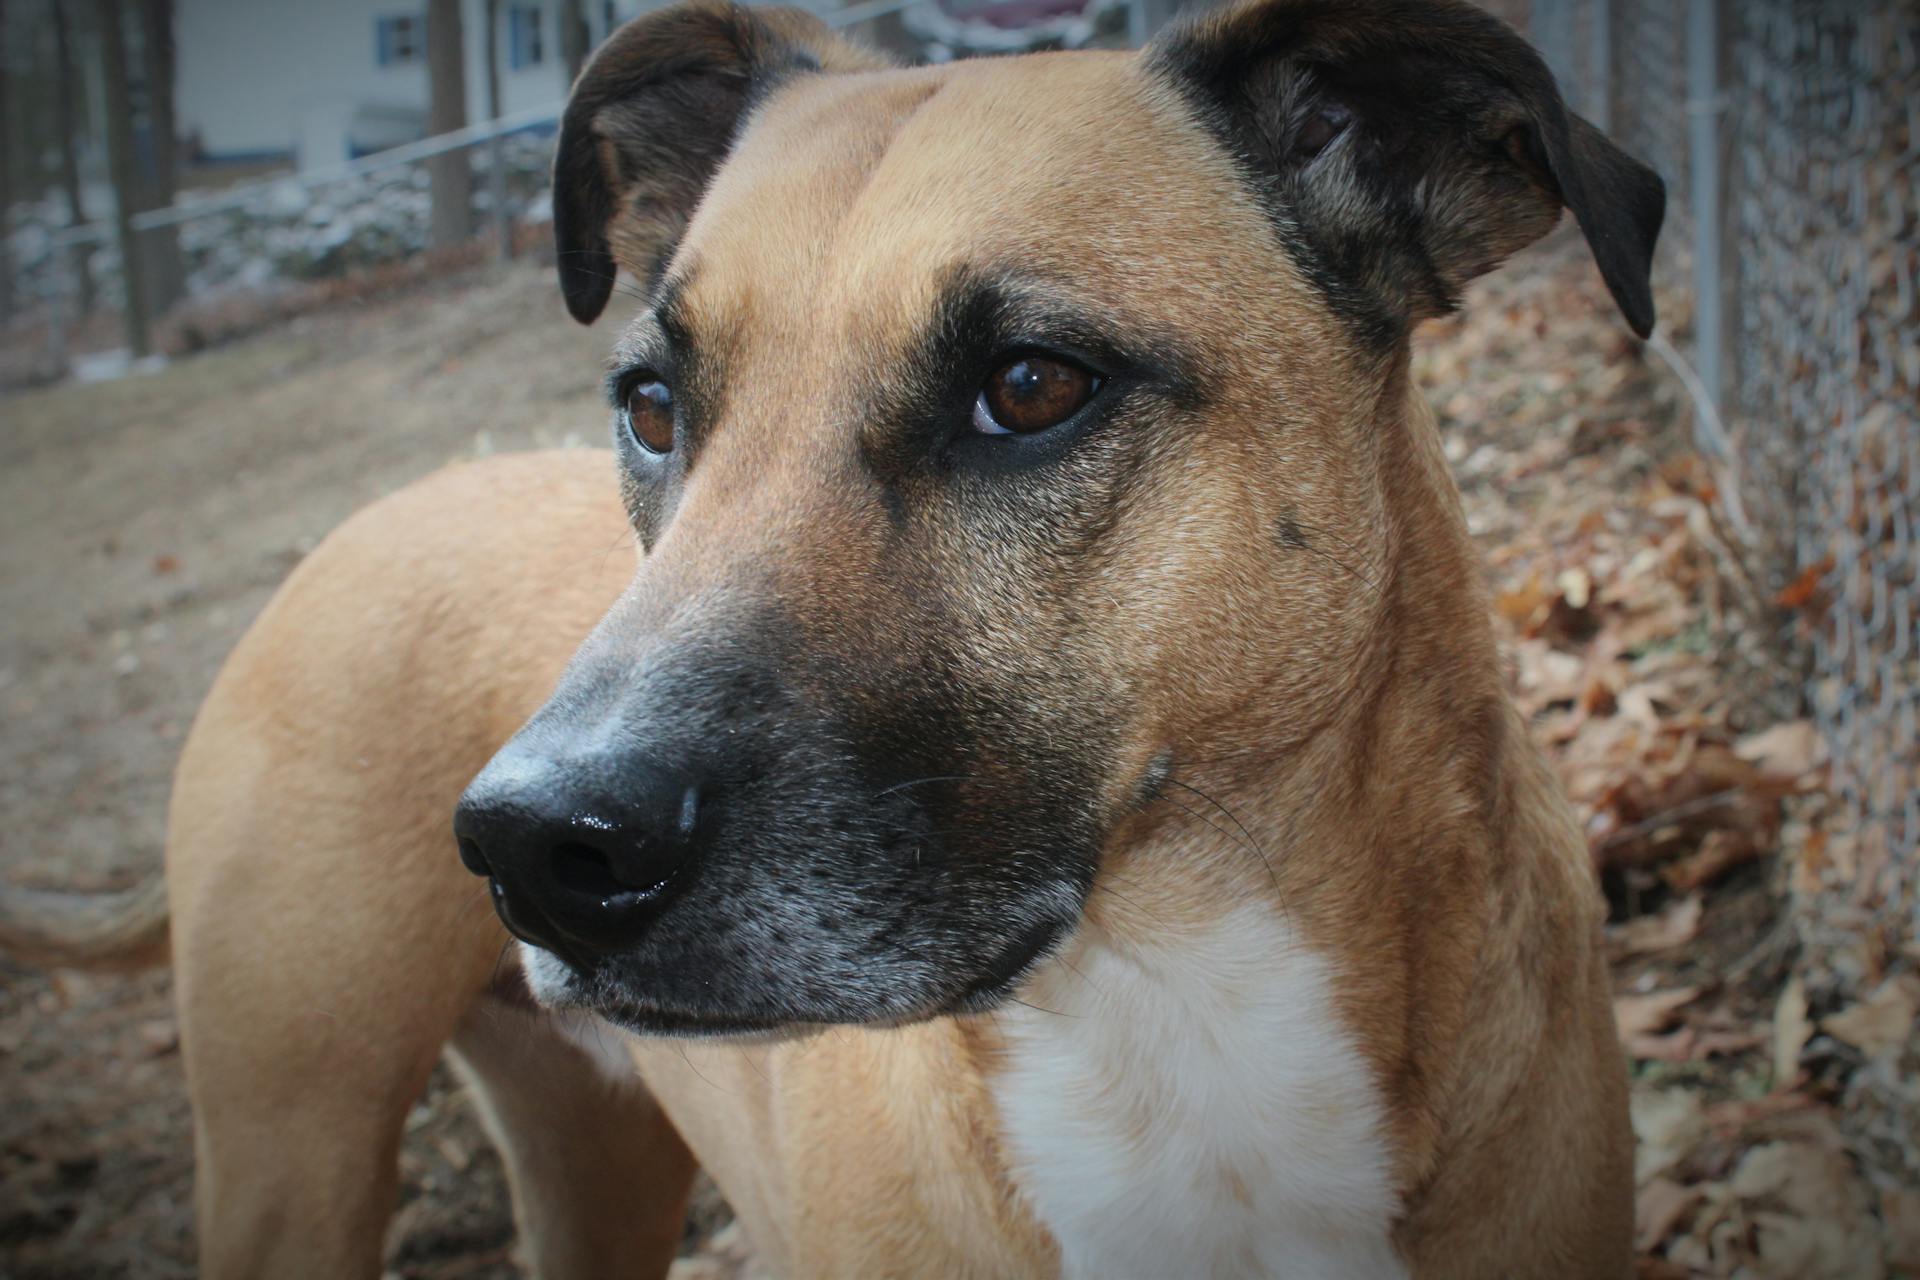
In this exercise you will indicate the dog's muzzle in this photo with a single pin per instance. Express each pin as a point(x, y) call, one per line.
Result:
point(579, 855)
point(713, 829)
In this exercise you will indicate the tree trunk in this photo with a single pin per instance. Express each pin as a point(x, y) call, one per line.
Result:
point(166, 274)
point(573, 39)
point(121, 168)
point(6, 175)
point(67, 74)
point(496, 150)
point(452, 172)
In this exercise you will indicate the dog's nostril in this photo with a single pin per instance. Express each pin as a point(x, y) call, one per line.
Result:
point(584, 870)
point(472, 859)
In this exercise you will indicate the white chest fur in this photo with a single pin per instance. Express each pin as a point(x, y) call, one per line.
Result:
point(1196, 1109)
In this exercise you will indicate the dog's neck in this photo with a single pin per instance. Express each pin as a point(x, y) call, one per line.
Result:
point(1272, 948)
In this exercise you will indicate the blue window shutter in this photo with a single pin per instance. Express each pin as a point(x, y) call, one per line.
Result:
point(523, 36)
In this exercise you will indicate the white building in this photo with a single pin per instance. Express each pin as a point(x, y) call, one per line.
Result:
point(325, 80)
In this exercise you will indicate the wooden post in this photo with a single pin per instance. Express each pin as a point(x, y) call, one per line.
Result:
point(496, 150)
point(1704, 107)
point(120, 166)
point(573, 39)
point(160, 247)
point(1600, 67)
point(451, 172)
point(67, 73)
point(6, 175)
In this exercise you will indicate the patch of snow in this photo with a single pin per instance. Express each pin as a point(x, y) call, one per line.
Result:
point(106, 366)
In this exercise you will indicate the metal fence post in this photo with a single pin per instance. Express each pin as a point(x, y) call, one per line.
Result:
point(1703, 168)
point(1600, 67)
point(1550, 24)
point(496, 153)
point(120, 161)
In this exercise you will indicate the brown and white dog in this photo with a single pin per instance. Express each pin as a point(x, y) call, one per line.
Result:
point(1047, 801)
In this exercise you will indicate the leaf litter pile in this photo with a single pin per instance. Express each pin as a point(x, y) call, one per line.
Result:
point(1647, 664)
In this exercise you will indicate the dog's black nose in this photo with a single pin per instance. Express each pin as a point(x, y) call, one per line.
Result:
point(579, 852)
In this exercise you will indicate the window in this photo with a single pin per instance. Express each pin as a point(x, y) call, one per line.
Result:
point(399, 41)
point(523, 37)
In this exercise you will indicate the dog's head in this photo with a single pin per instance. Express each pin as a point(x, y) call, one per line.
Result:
point(997, 432)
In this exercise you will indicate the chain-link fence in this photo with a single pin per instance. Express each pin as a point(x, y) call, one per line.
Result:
point(1824, 100)
point(1789, 134)
point(1645, 90)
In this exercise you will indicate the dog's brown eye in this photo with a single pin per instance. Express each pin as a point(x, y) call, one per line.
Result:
point(650, 415)
point(1030, 394)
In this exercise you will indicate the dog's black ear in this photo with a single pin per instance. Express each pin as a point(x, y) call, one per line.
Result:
point(651, 117)
point(1406, 146)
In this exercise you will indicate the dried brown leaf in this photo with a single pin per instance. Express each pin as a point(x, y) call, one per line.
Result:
point(1803, 590)
point(1658, 1209)
point(1784, 753)
point(1674, 1046)
point(1900, 1211)
point(159, 1037)
point(1668, 1123)
point(1676, 926)
point(1737, 1114)
point(1791, 1031)
point(1718, 854)
point(1637, 1015)
point(1883, 1023)
point(1519, 605)
point(1810, 1213)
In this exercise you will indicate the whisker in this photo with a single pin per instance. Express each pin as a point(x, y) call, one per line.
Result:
point(748, 1055)
point(1304, 545)
point(921, 782)
point(620, 284)
point(1103, 885)
point(697, 1071)
point(1250, 842)
point(599, 1033)
point(1040, 1009)
point(1217, 829)
point(1078, 973)
point(499, 960)
point(625, 537)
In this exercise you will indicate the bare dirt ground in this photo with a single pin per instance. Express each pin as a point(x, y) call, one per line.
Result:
point(143, 522)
